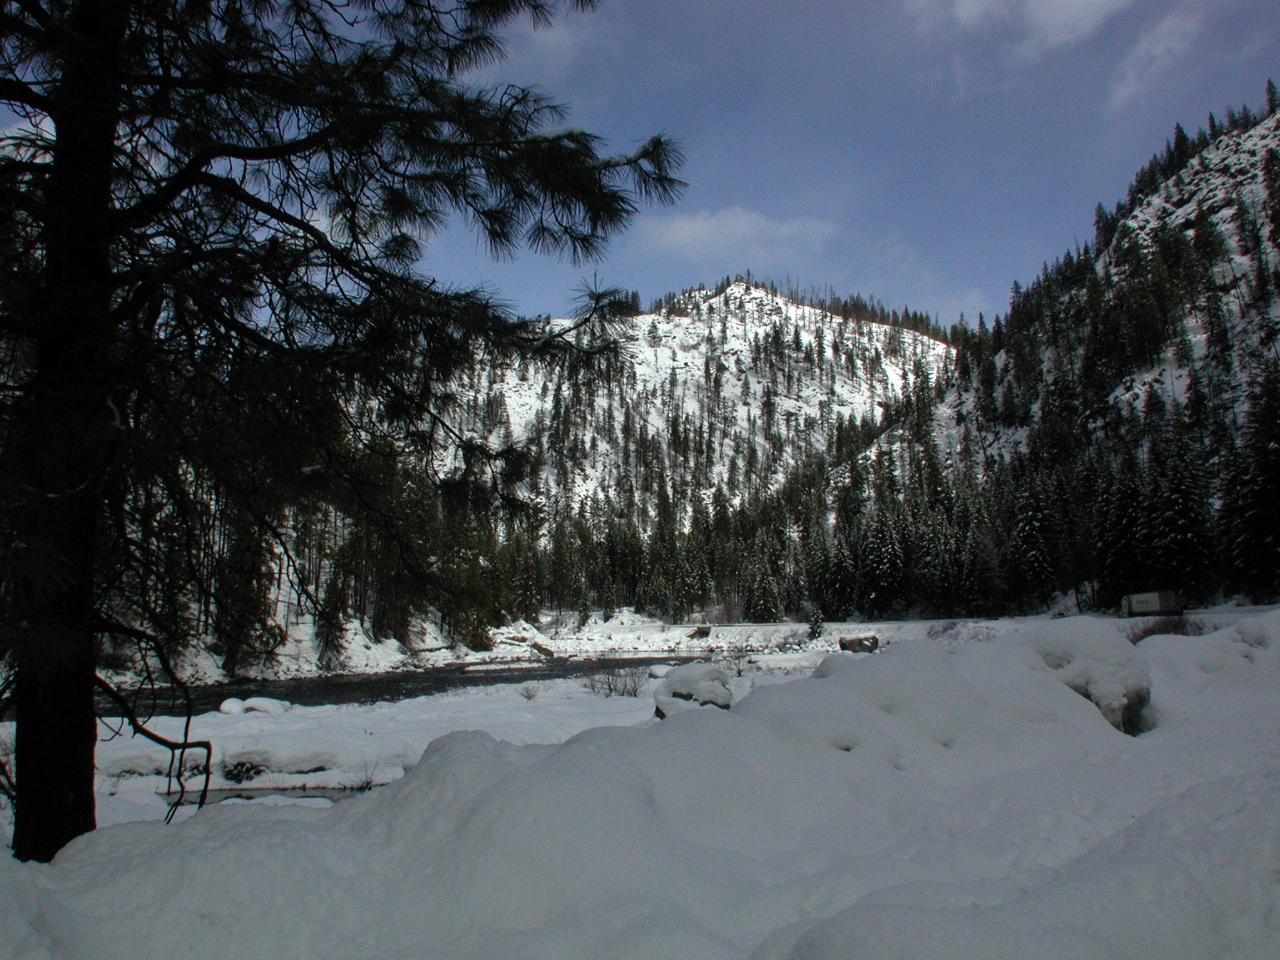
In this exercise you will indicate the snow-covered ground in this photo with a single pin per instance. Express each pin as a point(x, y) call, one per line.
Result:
point(952, 796)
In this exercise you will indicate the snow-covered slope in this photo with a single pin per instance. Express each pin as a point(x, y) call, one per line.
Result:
point(730, 388)
point(930, 802)
point(1204, 247)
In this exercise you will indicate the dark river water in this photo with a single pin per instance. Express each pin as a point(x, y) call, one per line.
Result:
point(380, 687)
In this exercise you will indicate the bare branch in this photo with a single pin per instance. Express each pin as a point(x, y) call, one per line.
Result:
point(173, 746)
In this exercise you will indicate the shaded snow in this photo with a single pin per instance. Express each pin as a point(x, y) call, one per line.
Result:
point(945, 798)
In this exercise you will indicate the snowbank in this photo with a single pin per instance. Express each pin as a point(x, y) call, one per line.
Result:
point(936, 800)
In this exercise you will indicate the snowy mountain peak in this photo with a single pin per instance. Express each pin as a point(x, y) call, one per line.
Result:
point(727, 388)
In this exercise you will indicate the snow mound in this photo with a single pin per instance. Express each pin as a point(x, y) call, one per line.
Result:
point(1141, 894)
point(520, 639)
point(835, 663)
point(234, 706)
point(268, 705)
point(690, 686)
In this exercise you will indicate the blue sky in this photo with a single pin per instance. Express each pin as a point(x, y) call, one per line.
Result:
point(922, 152)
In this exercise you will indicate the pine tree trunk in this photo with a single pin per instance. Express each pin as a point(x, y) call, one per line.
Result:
point(61, 445)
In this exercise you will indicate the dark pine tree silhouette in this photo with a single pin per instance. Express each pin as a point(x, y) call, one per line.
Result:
point(207, 205)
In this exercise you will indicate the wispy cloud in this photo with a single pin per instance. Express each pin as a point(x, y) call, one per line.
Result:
point(967, 302)
point(1035, 25)
point(1155, 53)
point(543, 54)
point(736, 237)
point(1052, 23)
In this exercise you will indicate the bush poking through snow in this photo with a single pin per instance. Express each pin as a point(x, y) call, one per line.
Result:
point(242, 771)
point(366, 781)
point(1102, 667)
point(734, 659)
point(620, 682)
point(1177, 626)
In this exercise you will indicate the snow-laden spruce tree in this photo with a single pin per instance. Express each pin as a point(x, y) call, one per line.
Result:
point(209, 297)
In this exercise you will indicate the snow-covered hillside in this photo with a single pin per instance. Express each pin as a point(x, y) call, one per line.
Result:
point(748, 457)
point(1202, 250)
point(1223, 186)
point(732, 388)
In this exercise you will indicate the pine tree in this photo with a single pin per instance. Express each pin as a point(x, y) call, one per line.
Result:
point(764, 603)
point(882, 568)
point(842, 578)
point(1257, 534)
point(815, 624)
point(939, 565)
point(203, 233)
point(1030, 572)
point(1178, 528)
point(1121, 545)
point(979, 589)
point(817, 566)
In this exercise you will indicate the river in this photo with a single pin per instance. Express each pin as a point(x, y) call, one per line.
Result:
point(380, 687)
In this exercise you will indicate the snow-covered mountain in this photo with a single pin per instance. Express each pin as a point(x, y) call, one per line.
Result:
point(1121, 422)
point(731, 388)
point(749, 455)
point(1176, 296)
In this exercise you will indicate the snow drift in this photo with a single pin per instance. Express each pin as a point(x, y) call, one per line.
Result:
point(927, 802)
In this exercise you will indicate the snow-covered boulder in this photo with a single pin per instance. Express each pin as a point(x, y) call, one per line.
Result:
point(1253, 633)
point(689, 686)
point(866, 643)
point(232, 705)
point(266, 705)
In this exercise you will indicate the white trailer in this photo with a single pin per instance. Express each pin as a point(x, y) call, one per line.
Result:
point(1155, 603)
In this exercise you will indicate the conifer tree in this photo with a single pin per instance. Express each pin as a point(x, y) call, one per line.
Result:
point(210, 188)
point(763, 603)
point(1121, 545)
point(883, 569)
point(1257, 530)
point(1178, 508)
point(1030, 569)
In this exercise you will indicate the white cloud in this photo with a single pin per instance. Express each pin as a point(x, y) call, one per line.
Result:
point(1051, 23)
point(543, 54)
point(1155, 53)
point(736, 237)
point(1035, 25)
